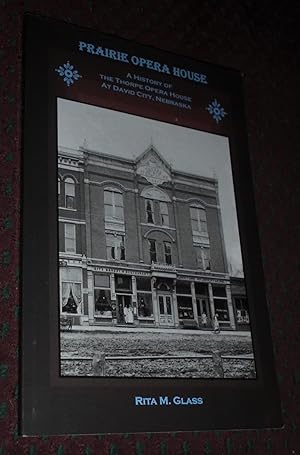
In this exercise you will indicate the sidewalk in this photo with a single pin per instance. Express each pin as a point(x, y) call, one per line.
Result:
point(101, 329)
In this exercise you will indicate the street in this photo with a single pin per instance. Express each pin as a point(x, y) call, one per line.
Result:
point(181, 345)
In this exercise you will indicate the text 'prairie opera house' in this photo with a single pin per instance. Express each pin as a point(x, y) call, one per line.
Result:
point(142, 244)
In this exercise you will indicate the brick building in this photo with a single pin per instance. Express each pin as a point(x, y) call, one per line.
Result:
point(140, 243)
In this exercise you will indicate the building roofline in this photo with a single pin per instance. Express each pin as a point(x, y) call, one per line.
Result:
point(196, 176)
point(176, 172)
point(62, 150)
point(154, 149)
point(106, 155)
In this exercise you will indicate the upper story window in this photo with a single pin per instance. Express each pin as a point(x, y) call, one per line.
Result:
point(69, 193)
point(157, 206)
point(152, 250)
point(115, 247)
point(198, 219)
point(59, 192)
point(164, 213)
point(149, 211)
point(70, 238)
point(113, 205)
point(203, 257)
point(168, 252)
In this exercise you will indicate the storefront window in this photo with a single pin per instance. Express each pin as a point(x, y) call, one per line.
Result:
point(71, 298)
point(242, 312)
point(221, 309)
point(71, 290)
point(220, 303)
point(103, 303)
point(145, 307)
point(185, 307)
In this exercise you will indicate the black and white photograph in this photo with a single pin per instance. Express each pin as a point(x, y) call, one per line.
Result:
point(151, 279)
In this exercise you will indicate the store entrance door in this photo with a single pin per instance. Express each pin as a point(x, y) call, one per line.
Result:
point(166, 310)
point(124, 309)
point(203, 310)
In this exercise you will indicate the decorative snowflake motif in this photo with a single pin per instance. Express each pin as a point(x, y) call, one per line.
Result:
point(68, 73)
point(216, 110)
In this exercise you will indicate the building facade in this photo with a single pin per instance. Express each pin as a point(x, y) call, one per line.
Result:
point(140, 243)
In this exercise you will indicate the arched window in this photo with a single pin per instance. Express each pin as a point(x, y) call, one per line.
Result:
point(156, 201)
point(113, 204)
point(70, 193)
point(149, 211)
point(164, 214)
point(152, 250)
point(168, 252)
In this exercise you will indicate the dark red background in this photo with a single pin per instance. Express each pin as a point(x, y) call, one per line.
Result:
point(262, 41)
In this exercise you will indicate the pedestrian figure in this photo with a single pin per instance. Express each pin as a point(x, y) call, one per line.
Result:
point(125, 311)
point(130, 315)
point(216, 324)
point(204, 319)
